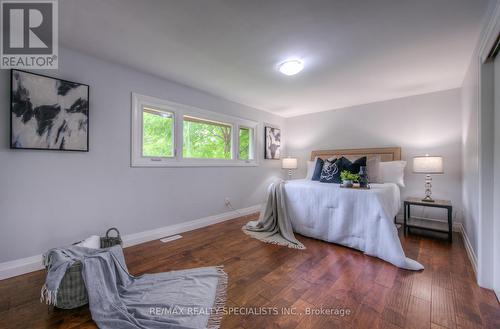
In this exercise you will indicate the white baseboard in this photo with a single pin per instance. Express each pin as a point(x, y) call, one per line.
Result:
point(20, 266)
point(34, 263)
point(141, 237)
point(468, 248)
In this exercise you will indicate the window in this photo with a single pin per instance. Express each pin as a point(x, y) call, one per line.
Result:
point(245, 151)
point(157, 133)
point(169, 134)
point(205, 139)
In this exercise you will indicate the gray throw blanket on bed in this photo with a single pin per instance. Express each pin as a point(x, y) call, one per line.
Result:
point(183, 299)
point(273, 225)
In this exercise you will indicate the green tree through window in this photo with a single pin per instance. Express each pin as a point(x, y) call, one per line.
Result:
point(157, 133)
point(244, 151)
point(167, 134)
point(206, 139)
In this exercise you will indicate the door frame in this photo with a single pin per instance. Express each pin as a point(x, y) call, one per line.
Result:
point(489, 225)
point(496, 191)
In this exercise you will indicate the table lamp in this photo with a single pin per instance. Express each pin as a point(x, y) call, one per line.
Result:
point(290, 164)
point(428, 165)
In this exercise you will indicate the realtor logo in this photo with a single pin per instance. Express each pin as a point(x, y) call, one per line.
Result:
point(29, 34)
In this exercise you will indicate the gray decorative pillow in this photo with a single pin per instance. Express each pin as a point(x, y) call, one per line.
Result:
point(373, 168)
point(331, 171)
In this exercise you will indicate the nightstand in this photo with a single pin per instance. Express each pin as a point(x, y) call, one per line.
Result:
point(428, 223)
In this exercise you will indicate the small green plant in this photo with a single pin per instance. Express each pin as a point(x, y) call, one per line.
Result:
point(347, 175)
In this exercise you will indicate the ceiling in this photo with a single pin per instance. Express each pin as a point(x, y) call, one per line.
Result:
point(355, 51)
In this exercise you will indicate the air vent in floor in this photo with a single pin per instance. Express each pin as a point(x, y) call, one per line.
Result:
point(171, 238)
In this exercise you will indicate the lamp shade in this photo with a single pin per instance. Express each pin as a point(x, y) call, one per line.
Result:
point(428, 165)
point(289, 163)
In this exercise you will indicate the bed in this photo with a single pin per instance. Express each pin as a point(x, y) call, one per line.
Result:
point(359, 219)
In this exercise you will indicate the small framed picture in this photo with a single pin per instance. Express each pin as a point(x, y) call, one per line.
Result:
point(48, 113)
point(273, 143)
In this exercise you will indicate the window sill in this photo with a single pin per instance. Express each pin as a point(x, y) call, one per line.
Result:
point(173, 163)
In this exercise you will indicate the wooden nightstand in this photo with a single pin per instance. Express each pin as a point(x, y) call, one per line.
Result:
point(428, 223)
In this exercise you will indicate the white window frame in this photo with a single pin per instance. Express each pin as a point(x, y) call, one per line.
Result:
point(252, 143)
point(179, 110)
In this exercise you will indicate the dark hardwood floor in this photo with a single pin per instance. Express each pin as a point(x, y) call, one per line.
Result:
point(325, 277)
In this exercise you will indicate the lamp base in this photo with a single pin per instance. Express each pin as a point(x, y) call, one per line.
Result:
point(428, 189)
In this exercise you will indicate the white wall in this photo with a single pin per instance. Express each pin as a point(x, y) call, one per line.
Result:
point(49, 198)
point(478, 149)
point(429, 123)
point(470, 154)
point(486, 175)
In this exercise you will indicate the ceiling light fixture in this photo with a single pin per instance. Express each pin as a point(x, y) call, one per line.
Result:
point(291, 67)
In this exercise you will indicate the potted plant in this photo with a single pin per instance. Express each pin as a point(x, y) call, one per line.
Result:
point(348, 178)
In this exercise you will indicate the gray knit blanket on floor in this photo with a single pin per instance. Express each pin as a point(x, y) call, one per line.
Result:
point(183, 299)
point(274, 225)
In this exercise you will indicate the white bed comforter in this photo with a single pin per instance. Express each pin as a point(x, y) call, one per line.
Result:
point(360, 219)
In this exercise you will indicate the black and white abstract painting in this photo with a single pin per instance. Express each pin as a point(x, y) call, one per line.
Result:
point(273, 143)
point(48, 113)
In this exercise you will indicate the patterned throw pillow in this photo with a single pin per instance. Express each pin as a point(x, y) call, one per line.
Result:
point(331, 171)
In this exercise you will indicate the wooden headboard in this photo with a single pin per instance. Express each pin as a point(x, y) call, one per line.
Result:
point(385, 153)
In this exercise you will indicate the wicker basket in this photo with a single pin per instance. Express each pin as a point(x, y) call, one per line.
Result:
point(72, 292)
point(109, 241)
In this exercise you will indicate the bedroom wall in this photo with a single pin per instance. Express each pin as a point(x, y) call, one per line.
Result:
point(49, 198)
point(470, 154)
point(429, 123)
point(478, 180)
point(479, 150)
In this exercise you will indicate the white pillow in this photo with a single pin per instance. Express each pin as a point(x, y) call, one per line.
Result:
point(392, 172)
point(310, 169)
point(92, 242)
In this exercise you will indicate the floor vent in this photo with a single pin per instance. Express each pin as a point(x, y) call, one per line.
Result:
point(171, 238)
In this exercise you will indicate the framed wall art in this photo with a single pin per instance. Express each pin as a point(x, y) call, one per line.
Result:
point(48, 113)
point(273, 143)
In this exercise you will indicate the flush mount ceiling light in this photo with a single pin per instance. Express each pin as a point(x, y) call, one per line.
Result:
point(291, 67)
